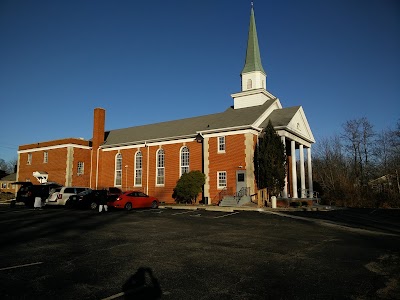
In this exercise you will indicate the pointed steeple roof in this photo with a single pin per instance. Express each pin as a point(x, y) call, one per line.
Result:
point(253, 58)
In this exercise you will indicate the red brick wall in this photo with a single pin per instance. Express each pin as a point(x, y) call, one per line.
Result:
point(56, 165)
point(229, 161)
point(83, 155)
point(172, 165)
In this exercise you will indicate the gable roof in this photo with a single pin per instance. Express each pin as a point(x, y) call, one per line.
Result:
point(9, 177)
point(187, 127)
point(291, 119)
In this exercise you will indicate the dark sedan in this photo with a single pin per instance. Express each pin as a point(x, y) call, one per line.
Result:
point(91, 198)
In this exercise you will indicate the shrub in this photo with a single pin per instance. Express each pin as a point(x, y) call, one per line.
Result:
point(188, 187)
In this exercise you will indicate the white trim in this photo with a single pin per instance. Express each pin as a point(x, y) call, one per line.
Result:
point(163, 167)
point(219, 144)
point(226, 180)
point(135, 169)
point(275, 105)
point(115, 169)
point(53, 147)
point(180, 160)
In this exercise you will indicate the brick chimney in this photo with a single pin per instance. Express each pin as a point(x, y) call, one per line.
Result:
point(98, 127)
point(97, 140)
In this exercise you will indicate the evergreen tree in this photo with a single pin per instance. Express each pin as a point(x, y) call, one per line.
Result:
point(270, 161)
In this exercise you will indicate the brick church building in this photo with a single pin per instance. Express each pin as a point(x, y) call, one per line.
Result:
point(151, 158)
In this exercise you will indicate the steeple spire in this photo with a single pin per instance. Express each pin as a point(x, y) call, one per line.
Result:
point(253, 58)
point(253, 76)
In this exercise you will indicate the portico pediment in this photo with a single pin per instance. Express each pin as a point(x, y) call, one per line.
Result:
point(299, 126)
point(291, 122)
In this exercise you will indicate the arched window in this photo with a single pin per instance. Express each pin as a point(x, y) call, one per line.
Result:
point(249, 84)
point(160, 167)
point(138, 168)
point(184, 160)
point(118, 170)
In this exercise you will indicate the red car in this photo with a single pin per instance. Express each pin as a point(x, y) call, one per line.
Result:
point(134, 199)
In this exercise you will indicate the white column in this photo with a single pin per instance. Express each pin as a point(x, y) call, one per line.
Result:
point(294, 173)
point(309, 168)
point(302, 173)
point(284, 192)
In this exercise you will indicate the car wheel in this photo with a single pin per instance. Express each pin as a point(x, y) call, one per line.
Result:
point(68, 204)
point(93, 205)
point(128, 206)
point(154, 204)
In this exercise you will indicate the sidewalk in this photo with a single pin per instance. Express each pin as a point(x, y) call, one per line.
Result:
point(246, 207)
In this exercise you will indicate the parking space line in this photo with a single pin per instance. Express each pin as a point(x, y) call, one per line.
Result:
point(198, 215)
point(227, 215)
point(114, 296)
point(21, 266)
point(180, 213)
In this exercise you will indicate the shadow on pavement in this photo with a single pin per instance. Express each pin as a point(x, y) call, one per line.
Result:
point(142, 285)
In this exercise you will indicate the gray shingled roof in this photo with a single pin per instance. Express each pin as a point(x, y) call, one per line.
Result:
point(187, 127)
point(281, 117)
point(9, 177)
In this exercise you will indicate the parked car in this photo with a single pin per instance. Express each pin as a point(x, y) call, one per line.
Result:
point(90, 198)
point(61, 195)
point(29, 191)
point(134, 199)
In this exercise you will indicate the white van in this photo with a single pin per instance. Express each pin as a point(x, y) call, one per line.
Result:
point(62, 194)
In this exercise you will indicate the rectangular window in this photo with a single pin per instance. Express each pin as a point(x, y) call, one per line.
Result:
point(118, 177)
point(29, 162)
point(45, 157)
point(221, 180)
point(221, 144)
point(81, 168)
point(160, 176)
point(3, 185)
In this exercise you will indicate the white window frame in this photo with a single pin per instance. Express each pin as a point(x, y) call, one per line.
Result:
point(184, 161)
point(160, 167)
point(29, 161)
point(80, 168)
point(118, 170)
point(221, 144)
point(221, 177)
point(138, 168)
point(45, 157)
point(249, 84)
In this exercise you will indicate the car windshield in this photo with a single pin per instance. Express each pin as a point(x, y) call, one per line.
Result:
point(86, 192)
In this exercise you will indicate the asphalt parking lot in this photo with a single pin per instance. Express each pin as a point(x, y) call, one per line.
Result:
point(198, 254)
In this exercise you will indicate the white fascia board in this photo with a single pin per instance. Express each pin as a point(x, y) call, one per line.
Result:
point(225, 129)
point(276, 105)
point(300, 139)
point(253, 92)
point(243, 131)
point(136, 144)
point(53, 147)
point(146, 144)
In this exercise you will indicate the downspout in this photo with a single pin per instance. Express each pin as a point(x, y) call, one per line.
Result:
point(91, 168)
point(97, 167)
point(147, 171)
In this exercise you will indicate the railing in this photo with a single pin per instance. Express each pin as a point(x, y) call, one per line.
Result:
point(228, 191)
point(244, 191)
point(224, 192)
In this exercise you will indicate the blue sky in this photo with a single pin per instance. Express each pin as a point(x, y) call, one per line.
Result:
point(153, 61)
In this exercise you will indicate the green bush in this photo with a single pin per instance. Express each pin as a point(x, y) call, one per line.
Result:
point(188, 187)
